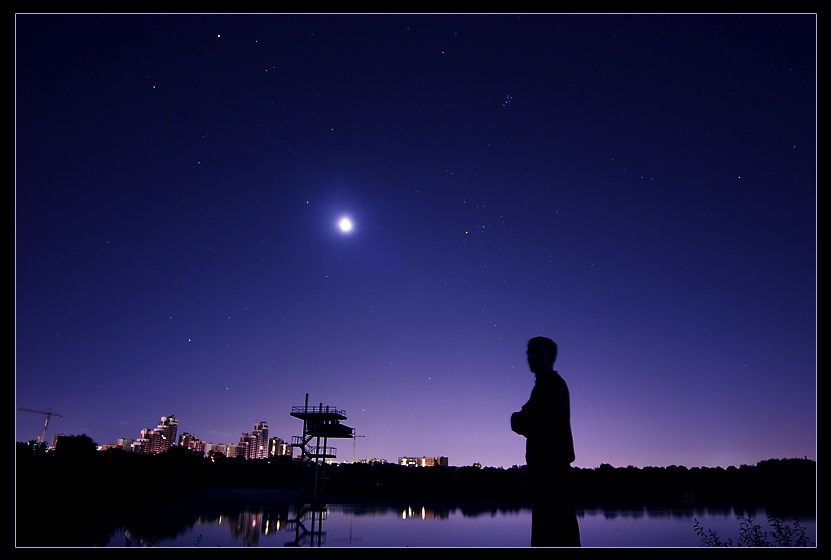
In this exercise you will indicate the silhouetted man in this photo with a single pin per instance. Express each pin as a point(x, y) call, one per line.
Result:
point(545, 421)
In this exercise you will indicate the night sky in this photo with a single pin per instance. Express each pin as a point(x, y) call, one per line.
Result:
point(639, 188)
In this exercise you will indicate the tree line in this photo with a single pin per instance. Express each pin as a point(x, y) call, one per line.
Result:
point(79, 484)
point(77, 464)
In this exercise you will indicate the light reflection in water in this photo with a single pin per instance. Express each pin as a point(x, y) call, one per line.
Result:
point(364, 526)
point(423, 513)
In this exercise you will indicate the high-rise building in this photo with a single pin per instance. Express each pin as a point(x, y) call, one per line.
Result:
point(278, 447)
point(159, 439)
point(260, 434)
point(165, 434)
point(255, 444)
point(225, 449)
point(189, 441)
point(245, 445)
point(142, 443)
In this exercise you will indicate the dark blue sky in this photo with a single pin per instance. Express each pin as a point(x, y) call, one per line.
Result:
point(641, 189)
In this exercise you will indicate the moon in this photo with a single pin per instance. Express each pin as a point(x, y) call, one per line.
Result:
point(345, 225)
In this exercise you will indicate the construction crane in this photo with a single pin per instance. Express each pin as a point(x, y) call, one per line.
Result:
point(49, 414)
point(355, 437)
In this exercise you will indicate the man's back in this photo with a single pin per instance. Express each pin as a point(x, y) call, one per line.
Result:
point(546, 423)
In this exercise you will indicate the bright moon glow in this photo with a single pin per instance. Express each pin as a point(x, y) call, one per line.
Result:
point(345, 225)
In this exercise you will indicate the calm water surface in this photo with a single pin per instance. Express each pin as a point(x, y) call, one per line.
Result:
point(370, 526)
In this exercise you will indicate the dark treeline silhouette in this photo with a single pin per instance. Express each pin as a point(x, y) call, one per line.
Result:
point(84, 495)
point(788, 482)
point(773, 481)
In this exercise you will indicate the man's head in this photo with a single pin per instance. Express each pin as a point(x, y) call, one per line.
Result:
point(542, 353)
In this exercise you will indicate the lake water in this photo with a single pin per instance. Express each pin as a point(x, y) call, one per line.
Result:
point(345, 525)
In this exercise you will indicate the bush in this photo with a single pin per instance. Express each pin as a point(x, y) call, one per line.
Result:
point(751, 534)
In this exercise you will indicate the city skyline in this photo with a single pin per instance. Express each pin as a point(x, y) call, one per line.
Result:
point(640, 188)
point(50, 436)
point(128, 444)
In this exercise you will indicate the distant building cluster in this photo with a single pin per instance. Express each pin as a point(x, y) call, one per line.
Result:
point(423, 461)
point(373, 461)
point(254, 445)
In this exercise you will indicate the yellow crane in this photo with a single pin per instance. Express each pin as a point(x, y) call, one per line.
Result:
point(49, 414)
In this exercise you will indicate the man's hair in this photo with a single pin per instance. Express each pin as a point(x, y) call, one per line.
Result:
point(546, 343)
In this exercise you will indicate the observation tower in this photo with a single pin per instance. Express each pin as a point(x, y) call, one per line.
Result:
point(320, 423)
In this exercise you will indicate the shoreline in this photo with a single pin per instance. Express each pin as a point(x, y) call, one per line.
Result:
point(242, 497)
point(253, 496)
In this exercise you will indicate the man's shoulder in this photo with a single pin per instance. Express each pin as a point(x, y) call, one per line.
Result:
point(552, 377)
point(552, 381)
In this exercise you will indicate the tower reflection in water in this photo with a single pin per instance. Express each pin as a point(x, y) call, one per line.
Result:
point(308, 525)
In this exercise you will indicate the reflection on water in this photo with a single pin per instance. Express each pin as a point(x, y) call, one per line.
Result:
point(207, 525)
point(308, 525)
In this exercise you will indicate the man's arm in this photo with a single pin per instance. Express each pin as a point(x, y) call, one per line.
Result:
point(523, 422)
